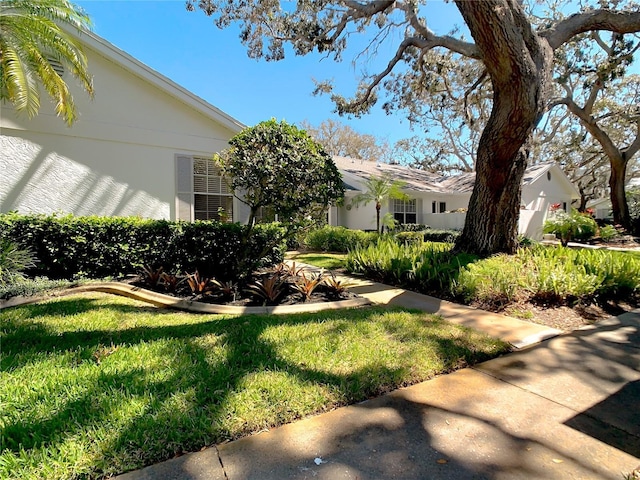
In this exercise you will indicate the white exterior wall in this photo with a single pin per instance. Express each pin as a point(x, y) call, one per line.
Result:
point(364, 216)
point(117, 159)
point(43, 177)
point(358, 218)
point(543, 192)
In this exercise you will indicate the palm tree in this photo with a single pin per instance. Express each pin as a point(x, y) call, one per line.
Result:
point(33, 45)
point(379, 190)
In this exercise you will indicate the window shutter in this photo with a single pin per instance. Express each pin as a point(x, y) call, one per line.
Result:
point(184, 187)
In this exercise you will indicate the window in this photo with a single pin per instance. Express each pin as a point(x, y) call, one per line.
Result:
point(212, 199)
point(202, 192)
point(404, 211)
point(438, 207)
point(57, 66)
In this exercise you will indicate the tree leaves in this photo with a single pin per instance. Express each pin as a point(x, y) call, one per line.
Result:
point(277, 165)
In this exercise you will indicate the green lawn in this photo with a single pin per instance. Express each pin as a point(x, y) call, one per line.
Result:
point(330, 261)
point(96, 385)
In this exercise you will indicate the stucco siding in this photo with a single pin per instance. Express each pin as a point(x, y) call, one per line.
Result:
point(359, 218)
point(42, 175)
point(119, 156)
point(547, 190)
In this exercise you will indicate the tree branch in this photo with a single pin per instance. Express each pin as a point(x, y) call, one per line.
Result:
point(632, 149)
point(469, 90)
point(589, 123)
point(565, 30)
point(429, 40)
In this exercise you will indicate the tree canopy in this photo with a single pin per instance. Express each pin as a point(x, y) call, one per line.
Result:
point(516, 57)
point(33, 49)
point(342, 140)
point(278, 166)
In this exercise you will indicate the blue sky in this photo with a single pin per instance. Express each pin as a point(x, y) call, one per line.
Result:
point(213, 64)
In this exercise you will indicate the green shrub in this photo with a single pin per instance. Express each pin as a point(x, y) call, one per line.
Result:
point(447, 236)
point(494, 280)
point(97, 247)
point(29, 287)
point(336, 239)
point(14, 260)
point(608, 233)
point(409, 237)
point(560, 275)
point(425, 266)
point(410, 227)
point(573, 226)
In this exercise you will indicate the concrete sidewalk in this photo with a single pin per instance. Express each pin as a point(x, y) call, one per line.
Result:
point(517, 332)
point(568, 407)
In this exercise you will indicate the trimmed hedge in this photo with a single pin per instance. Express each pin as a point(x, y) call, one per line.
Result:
point(337, 239)
point(447, 236)
point(98, 247)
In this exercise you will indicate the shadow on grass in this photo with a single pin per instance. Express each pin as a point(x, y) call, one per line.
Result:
point(180, 402)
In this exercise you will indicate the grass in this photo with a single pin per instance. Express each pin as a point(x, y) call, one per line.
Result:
point(95, 385)
point(330, 261)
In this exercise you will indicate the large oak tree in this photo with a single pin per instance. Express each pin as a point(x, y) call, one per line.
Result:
point(517, 57)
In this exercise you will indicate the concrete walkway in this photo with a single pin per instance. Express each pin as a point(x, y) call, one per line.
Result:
point(568, 407)
point(517, 332)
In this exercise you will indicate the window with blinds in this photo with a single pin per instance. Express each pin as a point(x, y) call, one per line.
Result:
point(202, 192)
point(405, 211)
point(212, 199)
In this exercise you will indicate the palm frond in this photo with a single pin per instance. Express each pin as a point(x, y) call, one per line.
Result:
point(30, 39)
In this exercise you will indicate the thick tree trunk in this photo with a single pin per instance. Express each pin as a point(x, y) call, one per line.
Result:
point(584, 198)
point(519, 65)
point(619, 204)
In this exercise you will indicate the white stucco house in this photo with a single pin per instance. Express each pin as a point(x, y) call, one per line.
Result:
point(436, 201)
point(139, 148)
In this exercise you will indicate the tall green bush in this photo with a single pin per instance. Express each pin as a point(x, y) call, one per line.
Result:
point(68, 246)
point(336, 239)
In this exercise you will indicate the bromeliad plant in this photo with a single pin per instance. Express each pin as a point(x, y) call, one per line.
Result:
point(335, 288)
point(228, 289)
point(171, 282)
point(270, 289)
point(200, 285)
point(152, 277)
point(305, 286)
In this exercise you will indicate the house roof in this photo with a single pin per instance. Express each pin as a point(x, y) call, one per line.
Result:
point(422, 181)
point(146, 73)
point(415, 179)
